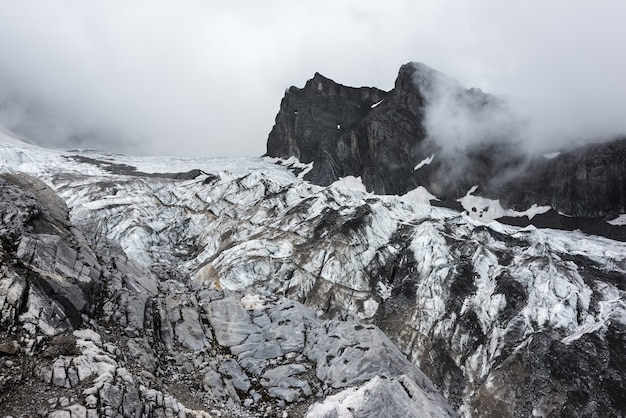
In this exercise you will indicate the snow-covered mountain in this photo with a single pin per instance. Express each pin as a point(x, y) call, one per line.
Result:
point(232, 287)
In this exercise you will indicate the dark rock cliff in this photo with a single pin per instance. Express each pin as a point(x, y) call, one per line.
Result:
point(352, 131)
point(381, 136)
point(589, 181)
point(384, 136)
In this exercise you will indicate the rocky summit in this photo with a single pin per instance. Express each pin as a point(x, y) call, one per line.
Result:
point(282, 287)
point(430, 131)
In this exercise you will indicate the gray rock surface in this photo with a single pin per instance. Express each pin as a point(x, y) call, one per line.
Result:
point(346, 353)
point(379, 397)
point(231, 323)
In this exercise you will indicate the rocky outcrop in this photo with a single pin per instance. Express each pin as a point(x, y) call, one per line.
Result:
point(351, 131)
point(331, 106)
point(588, 182)
point(383, 136)
point(429, 131)
point(55, 277)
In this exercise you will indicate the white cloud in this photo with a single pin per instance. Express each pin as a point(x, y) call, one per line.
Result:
point(198, 77)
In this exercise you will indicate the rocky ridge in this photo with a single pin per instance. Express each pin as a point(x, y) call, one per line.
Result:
point(430, 131)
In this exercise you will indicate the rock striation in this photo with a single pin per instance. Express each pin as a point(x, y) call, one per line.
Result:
point(589, 181)
point(351, 131)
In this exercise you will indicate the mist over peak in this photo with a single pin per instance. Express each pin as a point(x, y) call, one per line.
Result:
point(41, 122)
point(458, 118)
point(429, 131)
point(178, 77)
point(430, 81)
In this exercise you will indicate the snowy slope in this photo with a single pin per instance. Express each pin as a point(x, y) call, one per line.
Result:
point(504, 320)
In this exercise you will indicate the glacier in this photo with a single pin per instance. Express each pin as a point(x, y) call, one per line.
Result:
point(232, 287)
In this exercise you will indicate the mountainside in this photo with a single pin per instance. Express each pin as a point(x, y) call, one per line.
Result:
point(214, 287)
point(430, 131)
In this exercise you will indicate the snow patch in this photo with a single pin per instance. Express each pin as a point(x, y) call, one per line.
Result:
point(551, 155)
point(424, 162)
point(377, 103)
point(487, 210)
point(292, 163)
point(418, 195)
point(370, 306)
point(350, 182)
point(619, 221)
point(383, 290)
point(252, 302)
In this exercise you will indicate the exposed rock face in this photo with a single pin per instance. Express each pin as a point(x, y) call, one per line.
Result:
point(429, 131)
point(351, 131)
point(380, 136)
point(589, 181)
point(39, 241)
point(328, 104)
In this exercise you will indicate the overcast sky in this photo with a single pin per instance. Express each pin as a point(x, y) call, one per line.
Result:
point(205, 78)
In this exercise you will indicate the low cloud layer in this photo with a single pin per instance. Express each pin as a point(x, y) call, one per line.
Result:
point(458, 119)
point(206, 78)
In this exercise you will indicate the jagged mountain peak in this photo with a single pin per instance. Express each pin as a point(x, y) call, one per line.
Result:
point(430, 83)
point(320, 83)
point(424, 77)
point(429, 131)
point(328, 88)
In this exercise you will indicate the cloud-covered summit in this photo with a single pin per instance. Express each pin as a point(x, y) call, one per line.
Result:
point(458, 118)
point(200, 77)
